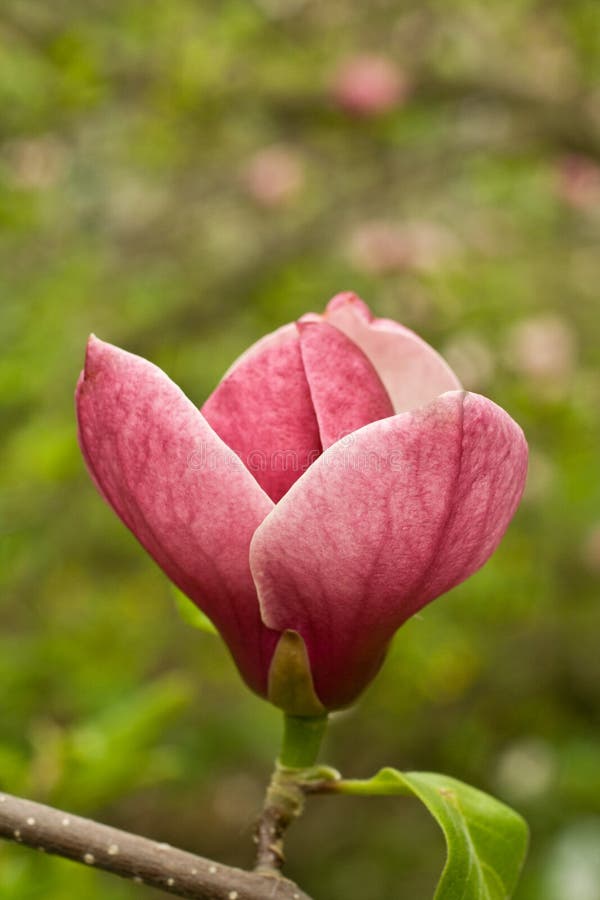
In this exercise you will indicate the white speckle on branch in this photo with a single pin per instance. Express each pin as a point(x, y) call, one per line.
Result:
point(89, 859)
point(113, 849)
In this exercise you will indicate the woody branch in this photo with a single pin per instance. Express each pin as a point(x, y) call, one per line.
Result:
point(137, 858)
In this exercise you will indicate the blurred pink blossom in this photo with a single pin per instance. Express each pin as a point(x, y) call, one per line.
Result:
point(383, 247)
point(274, 175)
point(379, 247)
point(578, 183)
point(368, 86)
point(543, 348)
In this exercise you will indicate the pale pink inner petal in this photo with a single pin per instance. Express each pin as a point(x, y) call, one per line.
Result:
point(346, 391)
point(263, 410)
point(376, 530)
point(183, 493)
point(412, 372)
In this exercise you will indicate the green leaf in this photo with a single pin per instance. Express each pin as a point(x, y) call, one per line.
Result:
point(191, 615)
point(486, 841)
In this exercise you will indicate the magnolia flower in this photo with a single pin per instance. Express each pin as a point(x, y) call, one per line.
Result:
point(336, 481)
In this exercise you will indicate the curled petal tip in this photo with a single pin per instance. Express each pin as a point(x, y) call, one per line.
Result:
point(93, 351)
point(350, 300)
point(308, 319)
point(93, 342)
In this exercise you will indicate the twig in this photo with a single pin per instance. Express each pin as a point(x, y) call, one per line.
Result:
point(284, 802)
point(566, 123)
point(137, 858)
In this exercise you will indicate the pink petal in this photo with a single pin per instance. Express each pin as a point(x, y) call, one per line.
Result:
point(412, 372)
point(379, 527)
point(346, 391)
point(263, 410)
point(183, 493)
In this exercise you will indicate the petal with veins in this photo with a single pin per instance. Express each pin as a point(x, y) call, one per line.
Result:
point(376, 529)
point(182, 492)
point(263, 410)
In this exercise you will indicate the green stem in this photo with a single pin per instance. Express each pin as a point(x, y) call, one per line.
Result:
point(302, 736)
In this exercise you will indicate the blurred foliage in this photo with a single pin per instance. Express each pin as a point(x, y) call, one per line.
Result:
point(177, 177)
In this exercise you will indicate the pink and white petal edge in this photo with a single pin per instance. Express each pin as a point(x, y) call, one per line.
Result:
point(412, 372)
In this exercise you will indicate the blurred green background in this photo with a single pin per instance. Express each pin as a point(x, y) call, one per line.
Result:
point(181, 177)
